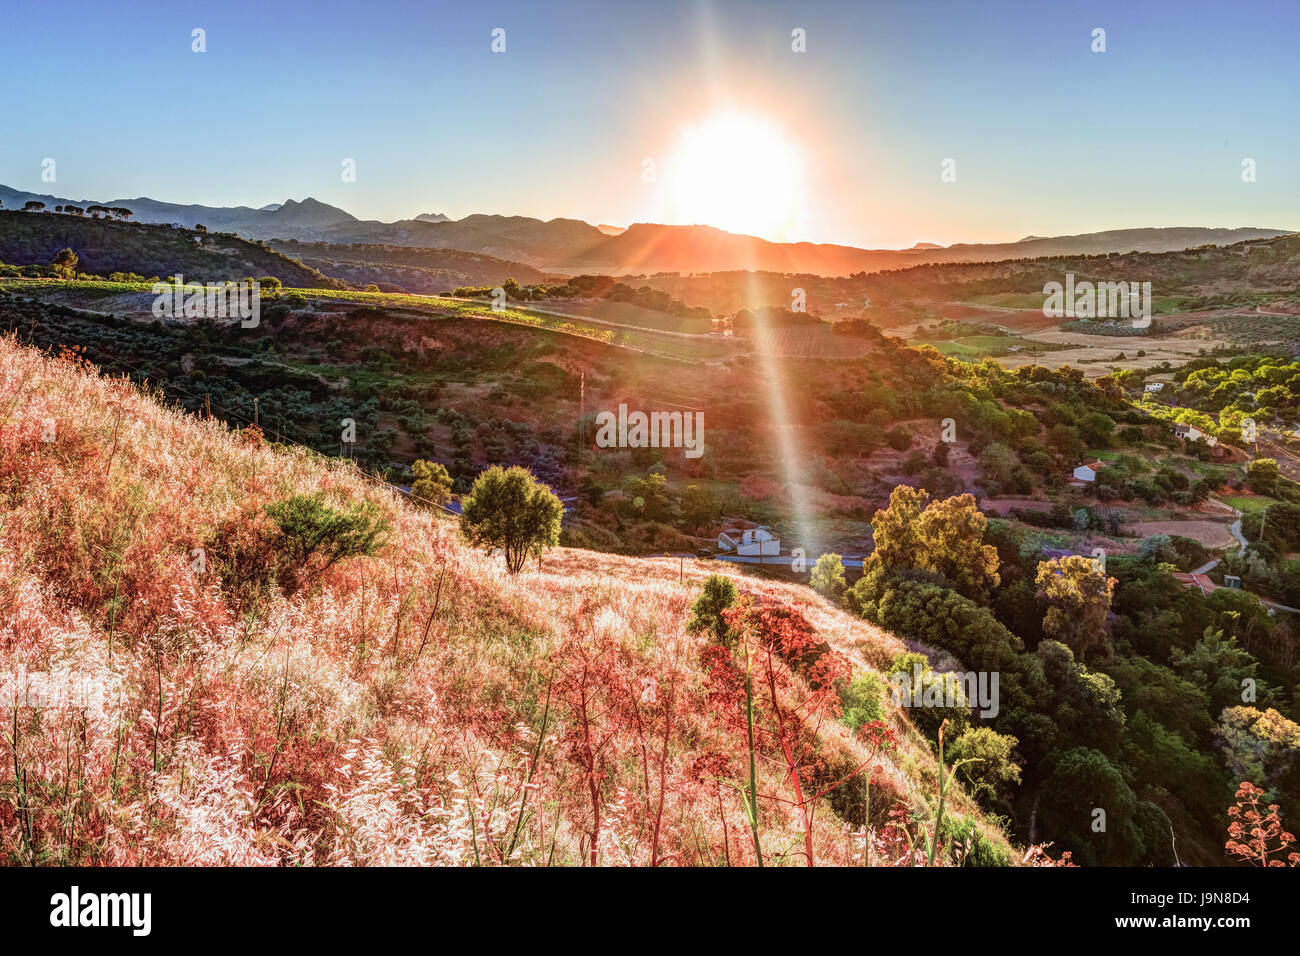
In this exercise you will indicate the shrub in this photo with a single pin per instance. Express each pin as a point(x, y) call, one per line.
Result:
point(313, 536)
point(432, 484)
point(828, 577)
point(978, 849)
point(991, 771)
point(706, 613)
point(863, 699)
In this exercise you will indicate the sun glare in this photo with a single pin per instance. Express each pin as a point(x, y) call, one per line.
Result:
point(737, 173)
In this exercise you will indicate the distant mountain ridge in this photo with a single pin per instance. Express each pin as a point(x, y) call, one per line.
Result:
point(307, 215)
point(573, 246)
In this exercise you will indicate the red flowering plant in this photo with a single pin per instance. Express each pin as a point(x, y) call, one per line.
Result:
point(776, 683)
point(1255, 835)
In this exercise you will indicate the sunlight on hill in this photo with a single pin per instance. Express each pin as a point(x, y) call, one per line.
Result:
point(419, 706)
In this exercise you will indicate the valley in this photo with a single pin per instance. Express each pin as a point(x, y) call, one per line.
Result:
point(944, 395)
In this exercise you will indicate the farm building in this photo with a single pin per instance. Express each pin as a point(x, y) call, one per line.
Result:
point(756, 540)
point(1088, 472)
point(1192, 433)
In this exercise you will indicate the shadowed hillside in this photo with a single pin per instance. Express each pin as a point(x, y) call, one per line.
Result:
point(104, 247)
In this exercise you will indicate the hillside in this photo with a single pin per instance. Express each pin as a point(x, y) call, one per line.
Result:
point(1247, 271)
point(650, 248)
point(248, 705)
point(520, 238)
point(407, 268)
point(104, 247)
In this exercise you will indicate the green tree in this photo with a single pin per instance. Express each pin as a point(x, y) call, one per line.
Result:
point(313, 535)
point(990, 772)
point(700, 506)
point(1262, 475)
point(649, 496)
point(706, 613)
point(1218, 665)
point(1263, 747)
point(1089, 809)
point(998, 462)
point(863, 699)
point(432, 485)
point(269, 284)
point(65, 263)
point(828, 577)
point(1077, 598)
point(508, 508)
point(946, 537)
point(1085, 706)
point(914, 684)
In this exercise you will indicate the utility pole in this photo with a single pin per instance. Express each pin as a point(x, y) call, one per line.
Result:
point(582, 414)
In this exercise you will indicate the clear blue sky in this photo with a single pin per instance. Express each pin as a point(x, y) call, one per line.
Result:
point(1049, 138)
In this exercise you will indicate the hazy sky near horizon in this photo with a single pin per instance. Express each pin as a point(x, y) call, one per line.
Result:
point(1049, 138)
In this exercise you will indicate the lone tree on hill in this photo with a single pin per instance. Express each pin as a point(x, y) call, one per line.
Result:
point(510, 509)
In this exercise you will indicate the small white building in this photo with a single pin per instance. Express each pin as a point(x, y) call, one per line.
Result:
point(756, 541)
point(1153, 387)
point(1192, 433)
point(1088, 472)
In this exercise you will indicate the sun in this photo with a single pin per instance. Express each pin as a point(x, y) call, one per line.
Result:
point(738, 173)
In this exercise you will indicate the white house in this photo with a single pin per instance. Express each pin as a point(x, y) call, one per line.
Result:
point(1088, 472)
point(1153, 386)
point(1192, 433)
point(757, 540)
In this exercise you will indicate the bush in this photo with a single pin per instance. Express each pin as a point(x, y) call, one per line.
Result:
point(863, 699)
point(432, 484)
point(980, 851)
point(312, 536)
point(706, 613)
point(828, 577)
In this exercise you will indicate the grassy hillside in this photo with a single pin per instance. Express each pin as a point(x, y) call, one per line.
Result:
point(416, 705)
point(104, 247)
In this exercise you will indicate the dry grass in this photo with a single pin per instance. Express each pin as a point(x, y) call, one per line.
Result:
point(409, 709)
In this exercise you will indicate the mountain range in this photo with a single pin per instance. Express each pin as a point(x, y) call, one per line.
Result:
point(573, 246)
